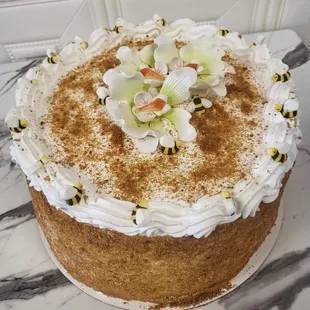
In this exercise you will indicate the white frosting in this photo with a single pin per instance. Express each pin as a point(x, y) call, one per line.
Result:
point(160, 218)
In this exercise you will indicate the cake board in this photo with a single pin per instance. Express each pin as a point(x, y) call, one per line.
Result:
point(252, 266)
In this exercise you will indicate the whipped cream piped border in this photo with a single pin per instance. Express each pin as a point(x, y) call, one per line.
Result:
point(160, 218)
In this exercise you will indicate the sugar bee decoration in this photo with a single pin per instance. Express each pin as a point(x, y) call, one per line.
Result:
point(52, 58)
point(199, 105)
point(168, 145)
point(44, 159)
point(15, 124)
point(288, 109)
point(22, 124)
point(276, 155)
point(103, 94)
point(78, 187)
point(222, 32)
point(228, 203)
point(119, 27)
point(159, 20)
point(83, 44)
point(143, 205)
point(281, 77)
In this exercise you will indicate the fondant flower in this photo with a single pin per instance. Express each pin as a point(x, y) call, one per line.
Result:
point(144, 116)
point(122, 87)
point(206, 58)
point(146, 108)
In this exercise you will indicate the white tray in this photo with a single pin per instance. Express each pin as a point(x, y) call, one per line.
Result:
point(254, 263)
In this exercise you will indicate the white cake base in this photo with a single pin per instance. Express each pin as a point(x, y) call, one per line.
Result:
point(254, 263)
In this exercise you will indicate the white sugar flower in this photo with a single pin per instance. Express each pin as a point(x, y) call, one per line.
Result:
point(140, 113)
point(146, 108)
point(211, 69)
point(155, 77)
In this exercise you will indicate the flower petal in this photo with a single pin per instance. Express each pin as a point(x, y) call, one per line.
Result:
point(131, 125)
point(123, 87)
point(147, 54)
point(129, 58)
point(147, 144)
point(220, 89)
point(175, 63)
point(209, 56)
point(153, 83)
point(166, 49)
point(177, 84)
point(153, 91)
point(142, 98)
point(161, 67)
point(201, 89)
point(111, 105)
point(163, 111)
point(180, 119)
point(142, 116)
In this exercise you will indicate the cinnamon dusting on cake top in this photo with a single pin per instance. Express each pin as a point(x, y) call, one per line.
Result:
point(83, 136)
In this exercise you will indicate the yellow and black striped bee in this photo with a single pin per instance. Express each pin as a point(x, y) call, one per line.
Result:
point(253, 45)
point(103, 95)
point(22, 124)
point(142, 205)
point(103, 101)
point(44, 159)
point(285, 113)
point(199, 105)
point(276, 155)
point(281, 77)
point(84, 45)
point(161, 22)
point(118, 29)
point(47, 179)
point(171, 150)
point(229, 203)
point(52, 59)
point(226, 194)
point(222, 32)
point(77, 198)
point(34, 82)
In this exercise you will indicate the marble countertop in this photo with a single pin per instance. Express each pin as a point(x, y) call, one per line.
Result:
point(30, 280)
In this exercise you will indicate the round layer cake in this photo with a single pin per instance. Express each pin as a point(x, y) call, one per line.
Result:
point(156, 156)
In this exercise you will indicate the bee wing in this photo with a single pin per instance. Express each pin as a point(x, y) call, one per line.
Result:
point(11, 120)
point(120, 22)
point(167, 141)
point(78, 40)
point(49, 52)
point(206, 103)
point(291, 104)
point(191, 107)
point(102, 92)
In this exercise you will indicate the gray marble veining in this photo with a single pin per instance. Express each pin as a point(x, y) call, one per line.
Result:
point(247, 297)
point(296, 57)
point(29, 280)
point(28, 287)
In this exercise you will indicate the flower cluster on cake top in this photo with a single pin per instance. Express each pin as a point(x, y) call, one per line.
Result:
point(151, 93)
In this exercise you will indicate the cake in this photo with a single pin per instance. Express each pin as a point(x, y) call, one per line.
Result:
point(156, 156)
